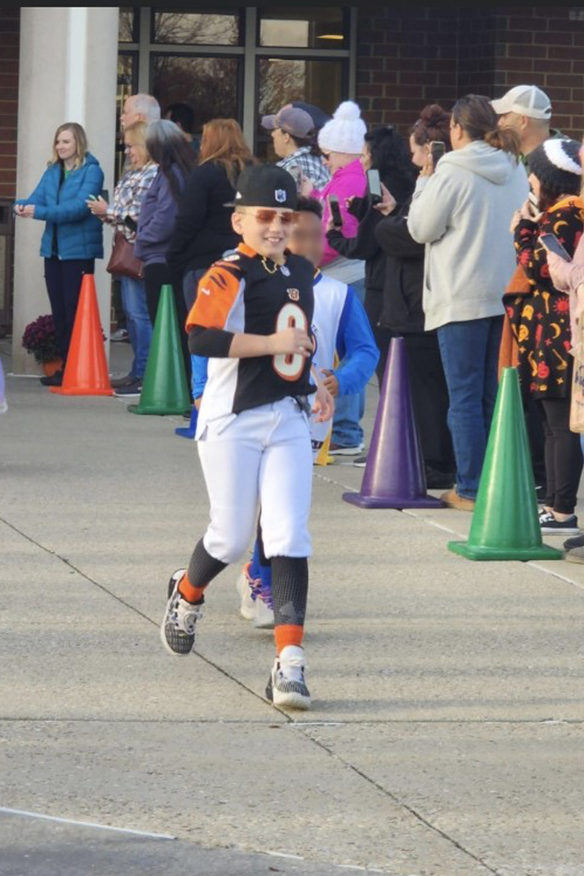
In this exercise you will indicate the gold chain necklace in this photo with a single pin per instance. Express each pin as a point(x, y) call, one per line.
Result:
point(267, 267)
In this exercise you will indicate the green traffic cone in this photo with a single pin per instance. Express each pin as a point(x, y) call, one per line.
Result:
point(505, 523)
point(164, 390)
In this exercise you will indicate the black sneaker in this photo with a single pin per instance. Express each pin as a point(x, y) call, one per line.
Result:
point(576, 542)
point(55, 379)
point(177, 631)
point(551, 526)
point(119, 382)
point(131, 389)
point(575, 556)
point(339, 450)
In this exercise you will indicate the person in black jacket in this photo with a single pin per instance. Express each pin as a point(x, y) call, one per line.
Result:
point(385, 151)
point(402, 313)
point(203, 231)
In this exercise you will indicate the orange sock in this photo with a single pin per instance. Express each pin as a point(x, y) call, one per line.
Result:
point(190, 593)
point(288, 634)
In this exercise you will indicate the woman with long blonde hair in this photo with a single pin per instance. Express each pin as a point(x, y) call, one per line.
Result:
point(73, 238)
point(203, 229)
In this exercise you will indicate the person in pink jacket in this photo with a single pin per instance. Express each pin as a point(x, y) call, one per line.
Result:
point(341, 142)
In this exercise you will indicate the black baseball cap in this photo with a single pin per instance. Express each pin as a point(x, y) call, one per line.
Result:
point(265, 185)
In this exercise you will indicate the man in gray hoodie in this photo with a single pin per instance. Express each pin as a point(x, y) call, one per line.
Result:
point(462, 210)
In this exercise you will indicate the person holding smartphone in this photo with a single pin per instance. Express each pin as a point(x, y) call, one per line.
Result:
point(461, 211)
point(123, 214)
point(341, 143)
point(541, 321)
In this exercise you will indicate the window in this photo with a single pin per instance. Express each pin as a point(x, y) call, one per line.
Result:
point(175, 27)
point(127, 85)
point(239, 62)
point(282, 80)
point(208, 84)
point(306, 27)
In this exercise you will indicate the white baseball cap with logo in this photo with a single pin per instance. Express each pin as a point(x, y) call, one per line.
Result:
point(525, 100)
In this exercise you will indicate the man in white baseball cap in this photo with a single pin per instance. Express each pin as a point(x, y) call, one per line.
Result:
point(527, 110)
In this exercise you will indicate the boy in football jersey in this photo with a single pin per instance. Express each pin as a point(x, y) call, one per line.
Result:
point(252, 319)
point(339, 324)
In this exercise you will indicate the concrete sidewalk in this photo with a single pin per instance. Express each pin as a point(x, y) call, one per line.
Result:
point(446, 734)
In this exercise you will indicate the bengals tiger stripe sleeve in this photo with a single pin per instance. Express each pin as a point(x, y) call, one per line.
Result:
point(217, 293)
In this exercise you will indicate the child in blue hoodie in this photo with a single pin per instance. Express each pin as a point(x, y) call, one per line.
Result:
point(340, 325)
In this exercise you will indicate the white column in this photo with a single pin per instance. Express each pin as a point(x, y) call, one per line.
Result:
point(68, 73)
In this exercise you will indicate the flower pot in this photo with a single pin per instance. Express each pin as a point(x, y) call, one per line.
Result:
point(51, 367)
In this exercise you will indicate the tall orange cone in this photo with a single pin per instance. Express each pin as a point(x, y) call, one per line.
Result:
point(86, 371)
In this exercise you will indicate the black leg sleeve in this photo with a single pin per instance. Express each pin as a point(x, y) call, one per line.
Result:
point(289, 590)
point(203, 567)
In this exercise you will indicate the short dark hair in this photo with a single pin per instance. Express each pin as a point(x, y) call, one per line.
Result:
point(182, 114)
point(309, 205)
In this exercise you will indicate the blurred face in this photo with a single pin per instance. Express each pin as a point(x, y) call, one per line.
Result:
point(419, 153)
point(136, 154)
point(308, 237)
point(366, 157)
point(266, 230)
point(66, 145)
point(534, 184)
point(129, 114)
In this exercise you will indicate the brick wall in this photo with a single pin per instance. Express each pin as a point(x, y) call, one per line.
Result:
point(9, 52)
point(408, 58)
point(545, 45)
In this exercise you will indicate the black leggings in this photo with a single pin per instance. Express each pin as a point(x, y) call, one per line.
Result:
point(563, 456)
point(155, 277)
point(63, 278)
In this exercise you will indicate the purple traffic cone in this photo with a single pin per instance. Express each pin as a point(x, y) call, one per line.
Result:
point(190, 430)
point(394, 475)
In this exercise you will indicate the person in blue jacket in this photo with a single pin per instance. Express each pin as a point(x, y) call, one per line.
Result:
point(73, 238)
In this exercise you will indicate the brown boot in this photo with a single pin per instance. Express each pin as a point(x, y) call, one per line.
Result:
point(452, 500)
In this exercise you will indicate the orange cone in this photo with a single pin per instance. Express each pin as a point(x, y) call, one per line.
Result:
point(86, 371)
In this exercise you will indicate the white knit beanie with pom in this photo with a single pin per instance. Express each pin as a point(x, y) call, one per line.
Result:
point(345, 132)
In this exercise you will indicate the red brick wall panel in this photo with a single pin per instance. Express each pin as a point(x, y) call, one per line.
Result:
point(484, 52)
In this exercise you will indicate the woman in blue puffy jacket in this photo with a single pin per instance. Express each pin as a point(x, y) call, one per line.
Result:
point(73, 238)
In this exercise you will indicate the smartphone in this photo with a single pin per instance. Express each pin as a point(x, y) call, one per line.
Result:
point(374, 187)
point(295, 172)
point(533, 204)
point(437, 150)
point(336, 211)
point(552, 244)
point(130, 223)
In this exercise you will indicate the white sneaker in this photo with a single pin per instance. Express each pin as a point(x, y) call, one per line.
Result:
point(247, 587)
point(287, 687)
point(263, 618)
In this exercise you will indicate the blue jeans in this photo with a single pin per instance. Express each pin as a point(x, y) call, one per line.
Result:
point(138, 321)
point(470, 354)
point(349, 409)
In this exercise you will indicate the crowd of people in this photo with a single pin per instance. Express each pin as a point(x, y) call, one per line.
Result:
point(350, 238)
